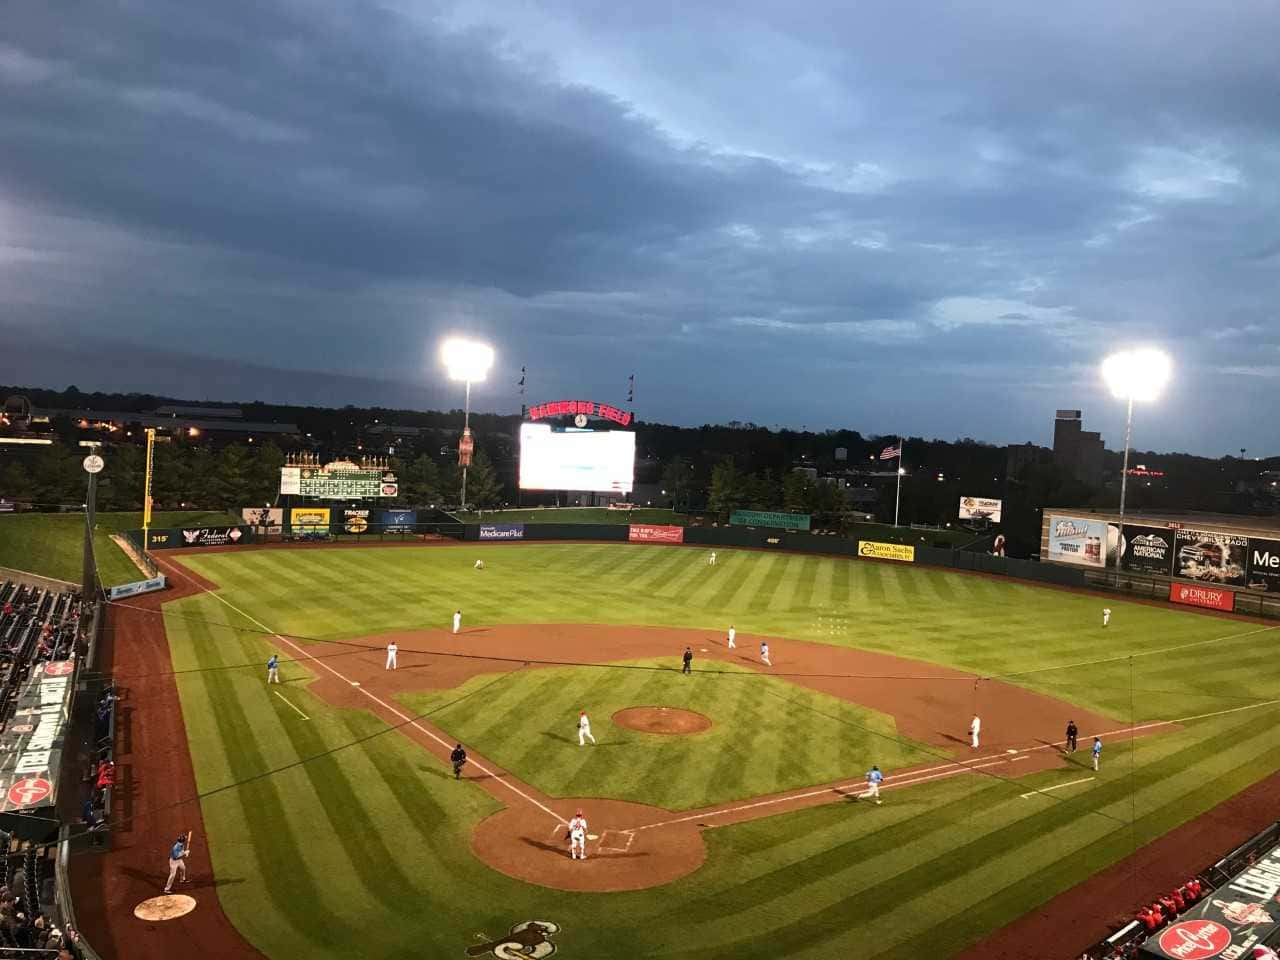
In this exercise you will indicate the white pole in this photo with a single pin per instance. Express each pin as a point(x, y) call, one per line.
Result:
point(1124, 480)
point(466, 425)
point(897, 497)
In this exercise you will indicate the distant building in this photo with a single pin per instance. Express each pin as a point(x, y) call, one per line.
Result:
point(809, 473)
point(1077, 450)
point(1019, 456)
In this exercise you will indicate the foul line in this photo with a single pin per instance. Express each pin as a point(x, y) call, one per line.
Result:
point(378, 700)
point(295, 709)
point(1057, 786)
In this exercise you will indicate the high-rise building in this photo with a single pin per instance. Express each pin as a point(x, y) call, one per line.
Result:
point(1077, 450)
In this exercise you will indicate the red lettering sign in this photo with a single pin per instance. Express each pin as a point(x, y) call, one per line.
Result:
point(1211, 597)
point(571, 408)
point(645, 533)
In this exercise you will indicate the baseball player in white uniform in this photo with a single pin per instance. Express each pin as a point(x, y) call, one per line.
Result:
point(392, 650)
point(457, 620)
point(732, 635)
point(1106, 615)
point(764, 654)
point(479, 564)
point(975, 727)
point(578, 837)
point(584, 729)
point(711, 560)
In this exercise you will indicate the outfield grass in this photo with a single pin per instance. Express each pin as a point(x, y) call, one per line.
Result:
point(52, 544)
point(329, 852)
point(807, 737)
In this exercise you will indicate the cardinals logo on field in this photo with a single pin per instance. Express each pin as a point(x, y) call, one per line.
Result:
point(529, 939)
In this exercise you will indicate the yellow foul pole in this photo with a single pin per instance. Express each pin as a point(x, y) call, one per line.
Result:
point(146, 492)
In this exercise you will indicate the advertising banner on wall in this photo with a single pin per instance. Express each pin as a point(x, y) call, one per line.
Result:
point(270, 518)
point(1202, 596)
point(399, 521)
point(1229, 922)
point(1264, 565)
point(135, 588)
point(213, 537)
point(1082, 540)
point(502, 531)
point(769, 518)
point(309, 519)
point(350, 520)
point(886, 551)
point(32, 743)
point(980, 508)
point(647, 533)
point(1147, 549)
point(1212, 557)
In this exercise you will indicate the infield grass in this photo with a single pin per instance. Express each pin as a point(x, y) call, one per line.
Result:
point(358, 844)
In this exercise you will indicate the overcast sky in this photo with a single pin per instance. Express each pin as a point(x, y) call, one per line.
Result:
point(920, 217)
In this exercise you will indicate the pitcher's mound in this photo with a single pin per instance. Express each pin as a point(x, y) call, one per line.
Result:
point(169, 906)
point(661, 720)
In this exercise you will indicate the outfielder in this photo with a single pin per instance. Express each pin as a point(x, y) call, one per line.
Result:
point(1097, 751)
point(273, 669)
point(764, 653)
point(584, 729)
point(732, 634)
point(177, 861)
point(392, 650)
point(1106, 615)
point(479, 564)
point(711, 560)
point(975, 728)
point(457, 620)
point(874, 776)
point(578, 837)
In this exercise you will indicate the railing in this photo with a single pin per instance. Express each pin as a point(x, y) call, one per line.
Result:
point(1155, 587)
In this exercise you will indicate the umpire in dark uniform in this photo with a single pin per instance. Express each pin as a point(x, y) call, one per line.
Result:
point(1072, 732)
point(688, 660)
point(458, 757)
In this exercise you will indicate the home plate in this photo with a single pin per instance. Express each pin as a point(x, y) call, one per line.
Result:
point(1011, 750)
point(702, 649)
point(593, 836)
point(170, 906)
point(355, 683)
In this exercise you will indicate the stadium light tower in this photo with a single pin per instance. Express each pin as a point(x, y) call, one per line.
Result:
point(1134, 375)
point(468, 361)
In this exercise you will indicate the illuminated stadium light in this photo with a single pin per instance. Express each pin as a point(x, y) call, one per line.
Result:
point(1131, 375)
point(467, 361)
point(1137, 374)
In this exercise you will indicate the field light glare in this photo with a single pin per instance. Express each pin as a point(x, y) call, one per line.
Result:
point(466, 360)
point(1137, 374)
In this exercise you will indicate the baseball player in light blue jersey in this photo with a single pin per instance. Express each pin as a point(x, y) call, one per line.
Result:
point(874, 778)
point(1097, 751)
point(273, 669)
point(177, 862)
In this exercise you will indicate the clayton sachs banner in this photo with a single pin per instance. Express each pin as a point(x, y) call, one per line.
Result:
point(980, 508)
point(886, 551)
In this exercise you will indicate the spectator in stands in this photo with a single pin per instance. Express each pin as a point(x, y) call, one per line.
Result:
point(106, 774)
point(8, 608)
point(1179, 901)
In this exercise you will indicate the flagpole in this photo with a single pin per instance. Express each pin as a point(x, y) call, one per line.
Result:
point(897, 497)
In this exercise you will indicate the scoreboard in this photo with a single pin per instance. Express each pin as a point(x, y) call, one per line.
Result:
point(329, 484)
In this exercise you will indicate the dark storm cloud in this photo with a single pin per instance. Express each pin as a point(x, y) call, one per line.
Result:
point(892, 216)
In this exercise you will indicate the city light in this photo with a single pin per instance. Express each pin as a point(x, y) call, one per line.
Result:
point(467, 361)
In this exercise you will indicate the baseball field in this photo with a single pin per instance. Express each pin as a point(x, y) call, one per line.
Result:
point(335, 827)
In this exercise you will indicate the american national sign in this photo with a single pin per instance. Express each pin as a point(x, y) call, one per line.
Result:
point(886, 551)
point(646, 533)
point(1202, 596)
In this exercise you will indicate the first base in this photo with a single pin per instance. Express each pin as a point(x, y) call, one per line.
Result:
point(169, 906)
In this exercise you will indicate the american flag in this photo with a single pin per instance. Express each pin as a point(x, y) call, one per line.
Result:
point(888, 453)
